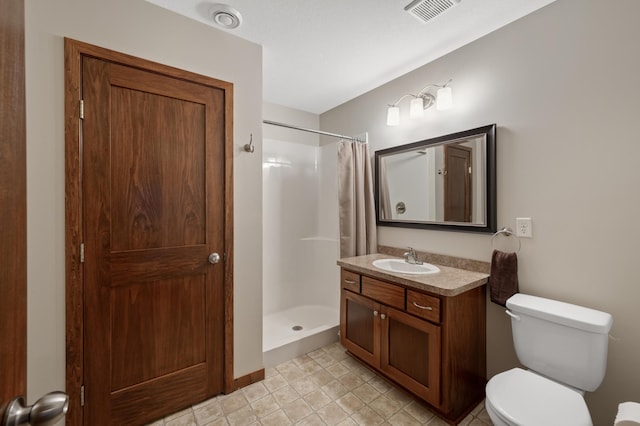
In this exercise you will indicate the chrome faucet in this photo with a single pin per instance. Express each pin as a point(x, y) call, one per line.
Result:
point(412, 257)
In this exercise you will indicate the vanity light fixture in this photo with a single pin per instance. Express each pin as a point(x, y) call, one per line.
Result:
point(443, 99)
point(393, 115)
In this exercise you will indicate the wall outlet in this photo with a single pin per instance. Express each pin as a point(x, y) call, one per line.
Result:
point(524, 227)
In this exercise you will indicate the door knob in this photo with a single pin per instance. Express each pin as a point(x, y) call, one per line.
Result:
point(45, 412)
point(214, 258)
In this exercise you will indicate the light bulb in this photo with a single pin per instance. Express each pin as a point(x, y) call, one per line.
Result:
point(416, 108)
point(393, 116)
point(444, 99)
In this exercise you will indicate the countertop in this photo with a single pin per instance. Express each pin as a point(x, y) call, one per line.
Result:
point(448, 282)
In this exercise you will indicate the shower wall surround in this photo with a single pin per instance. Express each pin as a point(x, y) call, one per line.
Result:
point(299, 229)
point(300, 238)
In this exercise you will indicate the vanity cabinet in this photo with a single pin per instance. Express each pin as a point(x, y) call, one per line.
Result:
point(429, 344)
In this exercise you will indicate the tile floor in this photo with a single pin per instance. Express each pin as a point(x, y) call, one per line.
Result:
point(324, 387)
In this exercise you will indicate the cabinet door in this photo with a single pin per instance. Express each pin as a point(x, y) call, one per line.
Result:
point(410, 353)
point(360, 327)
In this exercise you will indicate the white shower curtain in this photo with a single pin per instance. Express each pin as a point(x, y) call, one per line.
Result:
point(355, 198)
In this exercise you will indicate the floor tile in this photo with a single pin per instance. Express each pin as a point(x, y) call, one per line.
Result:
point(323, 387)
point(207, 413)
point(317, 399)
point(286, 395)
point(298, 410)
point(186, 420)
point(350, 403)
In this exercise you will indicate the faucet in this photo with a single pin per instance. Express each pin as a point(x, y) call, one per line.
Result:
point(412, 257)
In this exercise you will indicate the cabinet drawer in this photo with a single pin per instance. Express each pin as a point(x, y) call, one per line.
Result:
point(350, 280)
point(389, 294)
point(423, 305)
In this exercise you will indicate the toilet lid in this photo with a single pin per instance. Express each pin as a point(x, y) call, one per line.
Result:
point(525, 398)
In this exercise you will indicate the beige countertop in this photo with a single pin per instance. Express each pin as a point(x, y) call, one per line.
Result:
point(448, 282)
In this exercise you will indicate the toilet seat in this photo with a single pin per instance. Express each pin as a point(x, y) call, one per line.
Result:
point(523, 398)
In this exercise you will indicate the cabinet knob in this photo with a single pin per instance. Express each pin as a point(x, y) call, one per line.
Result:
point(382, 316)
point(375, 313)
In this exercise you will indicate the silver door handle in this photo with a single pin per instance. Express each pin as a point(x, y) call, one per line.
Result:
point(214, 258)
point(45, 412)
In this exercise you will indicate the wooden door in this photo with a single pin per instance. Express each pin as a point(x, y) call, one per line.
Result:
point(457, 184)
point(410, 353)
point(13, 205)
point(155, 198)
point(360, 327)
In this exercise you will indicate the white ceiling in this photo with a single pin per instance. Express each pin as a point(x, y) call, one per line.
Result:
point(318, 54)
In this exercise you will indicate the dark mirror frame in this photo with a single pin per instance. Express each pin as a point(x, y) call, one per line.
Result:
point(491, 200)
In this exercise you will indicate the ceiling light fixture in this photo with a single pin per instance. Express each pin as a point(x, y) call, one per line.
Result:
point(443, 99)
point(225, 16)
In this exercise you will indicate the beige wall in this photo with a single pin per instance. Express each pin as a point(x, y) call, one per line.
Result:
point(281, 114)
point(562, 85)
point(141, 29)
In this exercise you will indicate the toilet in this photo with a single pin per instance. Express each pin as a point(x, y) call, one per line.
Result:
point(564, 348)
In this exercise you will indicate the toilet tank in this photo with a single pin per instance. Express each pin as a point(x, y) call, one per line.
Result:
point(564, 342)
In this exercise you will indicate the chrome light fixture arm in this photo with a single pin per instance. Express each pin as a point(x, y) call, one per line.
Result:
point(421, 101)
point(395, 104)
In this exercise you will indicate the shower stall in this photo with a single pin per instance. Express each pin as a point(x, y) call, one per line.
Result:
point(301, 294)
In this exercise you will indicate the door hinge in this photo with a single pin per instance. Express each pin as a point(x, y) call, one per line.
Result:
point(469, 170)
point(82, 253)
point(82, 396)
point(81, 109)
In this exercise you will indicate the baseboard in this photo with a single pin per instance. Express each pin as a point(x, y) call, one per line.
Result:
point(248, 379)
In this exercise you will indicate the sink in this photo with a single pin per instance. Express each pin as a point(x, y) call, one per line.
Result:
point(400, 266)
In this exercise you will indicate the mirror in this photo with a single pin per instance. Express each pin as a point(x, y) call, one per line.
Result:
point(446, 183)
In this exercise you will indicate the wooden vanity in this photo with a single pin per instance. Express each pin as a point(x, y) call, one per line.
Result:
point(424, 332)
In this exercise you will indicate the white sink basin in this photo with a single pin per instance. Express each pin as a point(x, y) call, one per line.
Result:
point(400, 266)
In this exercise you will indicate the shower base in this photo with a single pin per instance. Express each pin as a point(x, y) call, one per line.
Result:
point(295, 331)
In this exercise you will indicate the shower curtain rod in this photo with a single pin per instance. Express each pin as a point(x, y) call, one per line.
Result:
point(320, 132)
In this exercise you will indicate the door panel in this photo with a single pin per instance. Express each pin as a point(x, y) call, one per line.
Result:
point(163, 203)
point(457, 184)
point(131, 406)
point(360, 326)
point(154, 182)
point(415, 366)
point(160, 328)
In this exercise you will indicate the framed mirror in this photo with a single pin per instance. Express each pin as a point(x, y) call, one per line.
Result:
point(446, 183)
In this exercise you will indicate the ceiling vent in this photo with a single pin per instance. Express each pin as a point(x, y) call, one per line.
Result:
point(426, 10)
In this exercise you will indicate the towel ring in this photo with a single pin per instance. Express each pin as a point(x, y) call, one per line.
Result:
point(509, 233)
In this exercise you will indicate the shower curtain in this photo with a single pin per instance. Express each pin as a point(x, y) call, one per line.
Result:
point(355, 200)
